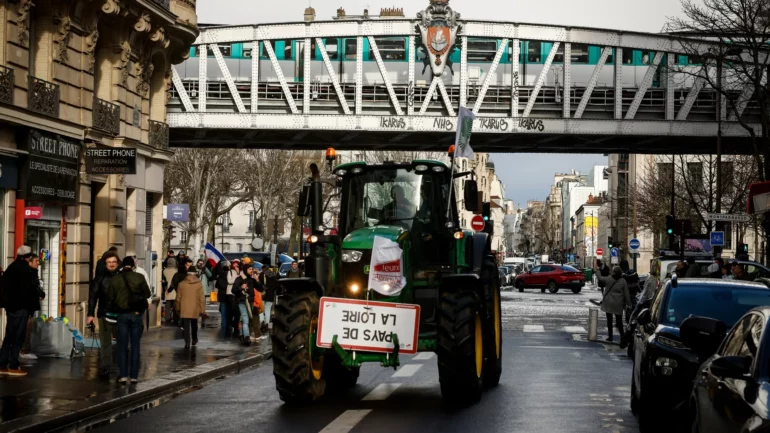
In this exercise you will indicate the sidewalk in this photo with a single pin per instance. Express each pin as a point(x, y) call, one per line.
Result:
point(63, 391)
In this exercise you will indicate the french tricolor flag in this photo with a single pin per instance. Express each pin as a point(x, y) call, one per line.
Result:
point(213, 255)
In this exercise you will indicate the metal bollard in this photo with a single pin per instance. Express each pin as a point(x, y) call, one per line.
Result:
point(593, 323)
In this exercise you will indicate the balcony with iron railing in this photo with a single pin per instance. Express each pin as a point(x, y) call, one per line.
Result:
point(6, 85)
point(43, 97)
point(158, 135)
point(106, 116)
point(164, 3)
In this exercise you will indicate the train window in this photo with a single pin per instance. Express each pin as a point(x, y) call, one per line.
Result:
point(332, 48)
point(351, 49)
point(534, 50)
point(390, 48)
point(628, 56)
point(482, 50)
point(264, 50)
point(579, 53)
point(226, 50)
point(247, 52)
point(559, 57)
point(694, 60)
point(647, 57)
point(287, 50)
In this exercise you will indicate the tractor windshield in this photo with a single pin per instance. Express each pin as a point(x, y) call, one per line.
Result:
point(394, 196)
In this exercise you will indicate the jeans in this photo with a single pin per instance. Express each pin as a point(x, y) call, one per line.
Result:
point(15, 334)
point(105, 344)
point(268, 309)
point(244, 319)
point(129, 328)
point(233, 313)
point(190, 327)
point(223, 315)
point(618, 323)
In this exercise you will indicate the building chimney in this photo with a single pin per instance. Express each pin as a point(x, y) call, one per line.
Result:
point(309, 14)
point(340, 13)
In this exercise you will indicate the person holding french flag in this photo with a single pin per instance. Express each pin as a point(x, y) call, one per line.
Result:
point(221, 267)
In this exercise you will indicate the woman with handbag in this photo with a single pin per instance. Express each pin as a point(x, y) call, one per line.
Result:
point(615, 300)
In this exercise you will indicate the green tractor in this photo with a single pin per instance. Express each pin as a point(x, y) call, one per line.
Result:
point(327, 324)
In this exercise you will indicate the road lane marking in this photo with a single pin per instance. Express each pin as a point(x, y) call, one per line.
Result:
point(575, 329)
point(534, 328)
point(423, 356)
point(346, 422)
point(556, 347)
point(382, 392)
point(407, 371)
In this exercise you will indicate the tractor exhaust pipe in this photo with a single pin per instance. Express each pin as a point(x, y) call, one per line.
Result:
point(318, 263)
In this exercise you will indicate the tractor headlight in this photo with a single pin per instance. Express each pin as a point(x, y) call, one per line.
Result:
point(357, 170)
point(351, 256)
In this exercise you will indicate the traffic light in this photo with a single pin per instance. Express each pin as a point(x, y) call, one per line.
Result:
point(670, 222)
point(742, 249)
point(609, 241)
point(486, 211)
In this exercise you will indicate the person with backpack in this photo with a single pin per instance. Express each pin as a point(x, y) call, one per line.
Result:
point(126, 303)
point(190, 304)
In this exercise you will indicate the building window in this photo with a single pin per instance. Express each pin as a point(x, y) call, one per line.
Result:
point(225, 247)
point(695, 175)
point(728, 228)
point(149, 201)
point(728, 171)
point(240, 247)
point(226, 223)
point(183, 236)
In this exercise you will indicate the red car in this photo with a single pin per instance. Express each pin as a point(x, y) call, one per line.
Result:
point(551, 277)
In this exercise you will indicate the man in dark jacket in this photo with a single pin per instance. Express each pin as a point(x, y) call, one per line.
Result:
point(97, 295)
point(21, 297)
point(100, 266)
point(126, 298)
point(693, 270)
point(294, 271)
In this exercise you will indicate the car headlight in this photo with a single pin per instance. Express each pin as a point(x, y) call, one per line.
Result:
point(351, 256)
point(666, 365)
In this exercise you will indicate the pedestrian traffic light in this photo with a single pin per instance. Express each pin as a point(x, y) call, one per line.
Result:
point(670, 222)
point(742, 249)
point(609, 241)
point(485, 211)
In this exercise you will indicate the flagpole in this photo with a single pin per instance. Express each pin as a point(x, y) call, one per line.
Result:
point(451, 182)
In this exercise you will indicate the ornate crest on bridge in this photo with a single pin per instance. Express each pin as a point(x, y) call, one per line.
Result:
point(438, 27)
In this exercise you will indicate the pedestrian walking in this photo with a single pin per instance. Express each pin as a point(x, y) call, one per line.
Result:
point(233, 311)
point(190, 305)
point(650, 287)
point(139, 270)
point(615, 301)
point(632, 280)
point(126, 303)
point(168, 274)
point(101, 264)
point(243, 293)
point(97, 297)
point(222, 270)
point(20, 295)
point(205, 275)
point(294, 271)
point(604, 273)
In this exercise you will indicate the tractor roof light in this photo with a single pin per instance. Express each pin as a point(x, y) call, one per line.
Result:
point(459, 235)
point(451, 151)
point(331, 154)
point(312, 239)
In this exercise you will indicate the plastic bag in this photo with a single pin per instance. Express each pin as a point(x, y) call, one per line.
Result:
point(386, 272)
point(51, 338)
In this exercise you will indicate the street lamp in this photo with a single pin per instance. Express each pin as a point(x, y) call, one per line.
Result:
point(221, 224)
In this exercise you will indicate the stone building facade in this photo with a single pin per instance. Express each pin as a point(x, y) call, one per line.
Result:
point(78, 74)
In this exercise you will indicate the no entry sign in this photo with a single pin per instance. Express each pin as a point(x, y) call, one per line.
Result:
point(477, 223)
point(599, 252)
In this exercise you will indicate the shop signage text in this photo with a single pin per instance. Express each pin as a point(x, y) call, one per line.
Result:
point(33, 213)
point(52, 171)
point(110, 160)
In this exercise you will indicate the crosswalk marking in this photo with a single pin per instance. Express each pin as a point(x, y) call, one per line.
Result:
point(346, 422)
point(407, 371)
point(575, 329)
point(534, 328)
point(382, 392)
point(423, 356)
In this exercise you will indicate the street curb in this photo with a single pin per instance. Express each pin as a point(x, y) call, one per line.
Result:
point(152, 396)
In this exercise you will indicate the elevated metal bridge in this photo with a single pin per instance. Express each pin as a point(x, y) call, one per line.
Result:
point(632, 96)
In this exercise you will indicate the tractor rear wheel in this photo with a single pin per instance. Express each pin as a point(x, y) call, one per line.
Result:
point(460, 347)
point(493, 326)
point(297, 369)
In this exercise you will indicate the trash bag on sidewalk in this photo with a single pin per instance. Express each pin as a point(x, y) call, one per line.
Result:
point(51, 339)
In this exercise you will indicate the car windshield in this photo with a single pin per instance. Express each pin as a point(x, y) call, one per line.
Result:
point(505, 270)
point(723, 302)
point(568, 269)
point(398, 196)
point(285, 267)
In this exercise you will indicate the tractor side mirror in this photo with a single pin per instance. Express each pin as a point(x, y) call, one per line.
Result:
point(471, 196)
point(303, 207)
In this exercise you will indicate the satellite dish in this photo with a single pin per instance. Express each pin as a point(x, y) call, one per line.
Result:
point(257, 243)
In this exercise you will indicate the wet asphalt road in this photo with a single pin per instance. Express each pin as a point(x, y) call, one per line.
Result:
point(553, 381)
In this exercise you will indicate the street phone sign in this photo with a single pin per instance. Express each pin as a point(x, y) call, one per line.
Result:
point(478, 223)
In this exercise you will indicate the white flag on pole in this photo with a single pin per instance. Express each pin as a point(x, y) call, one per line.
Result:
point(465, 119)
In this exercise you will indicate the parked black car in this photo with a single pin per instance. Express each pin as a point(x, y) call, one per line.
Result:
point(664, 367)
point(732, 387)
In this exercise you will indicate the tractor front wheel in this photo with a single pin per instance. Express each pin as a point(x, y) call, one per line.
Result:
point(493, 329)
point(460, 347)
point(297, 369)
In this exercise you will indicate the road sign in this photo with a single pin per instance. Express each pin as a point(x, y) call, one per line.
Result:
point(257, 243)
point(614, 260)
point(717, 239)
point(599, 252)
point(178, 212)
point(737, 218)
point(368, 325)
point(477, 223)
point(614, 252)
point(634, 244)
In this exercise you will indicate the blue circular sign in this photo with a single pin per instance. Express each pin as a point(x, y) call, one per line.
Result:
point(614, 252)
point(634, 244)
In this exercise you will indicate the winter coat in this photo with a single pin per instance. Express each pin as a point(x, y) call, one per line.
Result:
point(650, 288)
point(169, 274)
point(97, 293)
point(190, 303)
point(632, 280)
point(205, 276)
point(120, 290)
point(269, 280)
point(21, 287)
point(293, 274)
point(616, 297)
point(244, 295)
point(693, 271)
point(221, 283)
point(232, 275)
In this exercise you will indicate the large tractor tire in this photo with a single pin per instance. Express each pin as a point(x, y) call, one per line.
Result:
point(298, 371)
point(460, 347)
point(337, 377)
point(493, 325)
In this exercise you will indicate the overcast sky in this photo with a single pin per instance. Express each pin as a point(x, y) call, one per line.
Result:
point(527, 176)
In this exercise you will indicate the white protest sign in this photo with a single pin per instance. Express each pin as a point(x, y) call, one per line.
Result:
point(386, 271)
